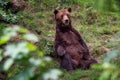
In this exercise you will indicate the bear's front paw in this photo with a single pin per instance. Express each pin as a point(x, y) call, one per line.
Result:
point(61, 51)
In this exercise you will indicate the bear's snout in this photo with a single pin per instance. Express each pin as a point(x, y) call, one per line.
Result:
point(66, 20)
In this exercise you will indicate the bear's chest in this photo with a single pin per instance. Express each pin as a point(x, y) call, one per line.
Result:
point(72, 45)
point(70, 38)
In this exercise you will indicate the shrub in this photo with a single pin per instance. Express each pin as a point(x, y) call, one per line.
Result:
point(7, 16)
point(21, 59)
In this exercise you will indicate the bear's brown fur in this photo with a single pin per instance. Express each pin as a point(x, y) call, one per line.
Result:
point(69, 45)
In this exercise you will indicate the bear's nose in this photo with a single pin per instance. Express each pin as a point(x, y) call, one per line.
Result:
point(66, 21)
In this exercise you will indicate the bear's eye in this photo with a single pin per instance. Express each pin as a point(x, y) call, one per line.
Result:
point(68, 15)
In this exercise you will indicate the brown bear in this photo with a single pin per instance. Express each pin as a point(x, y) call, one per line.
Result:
point(69, 45)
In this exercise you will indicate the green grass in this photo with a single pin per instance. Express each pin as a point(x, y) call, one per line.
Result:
point(81, 75)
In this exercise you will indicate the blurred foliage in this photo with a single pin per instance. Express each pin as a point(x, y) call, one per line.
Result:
point(109, 66)
point(23, 55)
point(105, 5)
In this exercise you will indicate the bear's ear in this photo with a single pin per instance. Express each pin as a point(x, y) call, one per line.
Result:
point(69, 10)
point(55, 11)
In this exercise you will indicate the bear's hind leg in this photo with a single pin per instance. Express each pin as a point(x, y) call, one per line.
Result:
point(86, 64)
point(75, 64)
point(66, 62)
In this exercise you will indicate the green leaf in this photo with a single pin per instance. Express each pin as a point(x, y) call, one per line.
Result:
point(47, 58)
point(35, 62)
point(14, 50)
point(40, 53)
point(8, 64)
point(31, 47)
point(53, 74)
point(31, 37)
point(3, 41)
point(22, 30)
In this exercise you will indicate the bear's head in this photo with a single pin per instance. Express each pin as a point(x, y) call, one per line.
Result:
point(62, 17)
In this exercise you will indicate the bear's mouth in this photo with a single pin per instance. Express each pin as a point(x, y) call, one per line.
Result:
point(66, 23)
